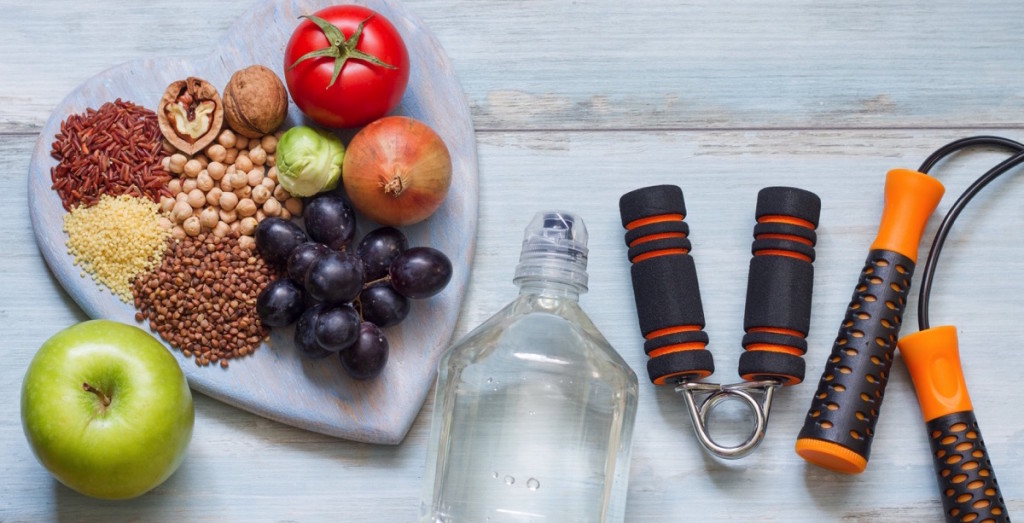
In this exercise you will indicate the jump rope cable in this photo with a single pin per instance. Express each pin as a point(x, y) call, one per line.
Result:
point(958, 206)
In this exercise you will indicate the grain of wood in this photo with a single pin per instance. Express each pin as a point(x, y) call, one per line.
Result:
point(242, 467)
point(649, 64)
point(947, 66)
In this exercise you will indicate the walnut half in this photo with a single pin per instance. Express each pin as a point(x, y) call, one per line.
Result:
point(191, 114)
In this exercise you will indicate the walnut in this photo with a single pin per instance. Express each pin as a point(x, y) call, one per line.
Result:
point(255, 102)
point(191, 114)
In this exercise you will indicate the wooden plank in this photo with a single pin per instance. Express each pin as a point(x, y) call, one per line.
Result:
point(277, 381)
point(914, 67)
point(649, 64)
point(242, 467)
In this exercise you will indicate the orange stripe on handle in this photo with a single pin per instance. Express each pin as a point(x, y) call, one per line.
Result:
point(779, 252)
point(671, 330)
point(771, 347)
point(789, 237)
point(699, 375)
point(792, 220)
point(659, 236)
point(655, 254)
point(678, 347)
point(777, 330)
point(654, 219)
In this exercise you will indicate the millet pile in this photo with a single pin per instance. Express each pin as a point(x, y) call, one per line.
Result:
point(115, 240)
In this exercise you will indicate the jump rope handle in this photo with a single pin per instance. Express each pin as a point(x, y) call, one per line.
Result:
point(665, 285)
point(966, 479)
point(840, 423)
point(779, 286)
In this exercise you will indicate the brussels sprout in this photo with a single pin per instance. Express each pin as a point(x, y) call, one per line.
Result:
point(309, 161)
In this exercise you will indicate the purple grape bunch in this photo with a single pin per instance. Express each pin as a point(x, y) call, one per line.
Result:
point(341, 300)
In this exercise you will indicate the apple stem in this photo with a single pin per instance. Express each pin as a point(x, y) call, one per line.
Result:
point(103, 397)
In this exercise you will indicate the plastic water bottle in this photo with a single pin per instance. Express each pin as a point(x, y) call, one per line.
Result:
point(533, 410)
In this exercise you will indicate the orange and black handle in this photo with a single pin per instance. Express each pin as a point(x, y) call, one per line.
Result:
point(665, 285)
point(840, 423)
point(779, 285)
point(968, 484)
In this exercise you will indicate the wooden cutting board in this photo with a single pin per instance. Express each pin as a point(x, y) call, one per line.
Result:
point(276, 382)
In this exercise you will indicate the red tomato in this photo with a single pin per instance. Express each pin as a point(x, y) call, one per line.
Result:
point(372, 79)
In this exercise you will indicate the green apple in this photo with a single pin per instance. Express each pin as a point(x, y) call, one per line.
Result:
point(106, 409)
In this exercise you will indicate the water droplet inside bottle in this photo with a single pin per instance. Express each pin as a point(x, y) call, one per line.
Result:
point(494, 475)
point(532, 484)
point(509, 480)
point(490, 380)
point(532, 412)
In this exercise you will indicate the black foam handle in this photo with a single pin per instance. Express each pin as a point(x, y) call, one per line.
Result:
point(779, 285)
point(666, 293)
point(968, 484)
point(789, 201)
point(845, 407)
point(656, 200)
point(665, 288)
point(779, 292)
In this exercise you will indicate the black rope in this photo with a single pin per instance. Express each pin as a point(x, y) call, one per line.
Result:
point(947, 222)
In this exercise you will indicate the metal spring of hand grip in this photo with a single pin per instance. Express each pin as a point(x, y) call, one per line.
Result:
point(671, 315)
point(700, 407)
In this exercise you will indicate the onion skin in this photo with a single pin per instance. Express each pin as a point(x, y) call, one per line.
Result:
point(397, 171)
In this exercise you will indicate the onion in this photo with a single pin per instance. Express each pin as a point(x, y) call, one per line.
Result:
point(397, 171)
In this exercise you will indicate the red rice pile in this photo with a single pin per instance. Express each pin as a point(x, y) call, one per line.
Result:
point(115, 150)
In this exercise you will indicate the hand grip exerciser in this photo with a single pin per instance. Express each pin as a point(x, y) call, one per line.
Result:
point(966, 479)
point(671, 314)
point(840, 423)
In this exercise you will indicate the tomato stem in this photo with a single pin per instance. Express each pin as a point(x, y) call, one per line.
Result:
point(341, 49)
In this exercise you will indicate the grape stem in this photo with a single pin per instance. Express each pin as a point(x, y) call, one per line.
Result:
point(369, 284)
point(358, 302)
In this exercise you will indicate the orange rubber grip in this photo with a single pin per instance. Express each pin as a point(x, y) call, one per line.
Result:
point(933, 359)
point(910, 198)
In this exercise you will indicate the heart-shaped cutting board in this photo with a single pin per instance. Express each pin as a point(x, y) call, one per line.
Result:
point(276, 382)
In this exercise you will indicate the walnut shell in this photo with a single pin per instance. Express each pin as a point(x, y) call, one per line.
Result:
point(255, 102)
point(191, 114)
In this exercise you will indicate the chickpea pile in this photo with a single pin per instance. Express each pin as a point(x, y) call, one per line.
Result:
point(228, 188)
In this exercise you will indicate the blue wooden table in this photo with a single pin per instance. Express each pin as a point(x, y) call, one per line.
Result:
point(575, 103)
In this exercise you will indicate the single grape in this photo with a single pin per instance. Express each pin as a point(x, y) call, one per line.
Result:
point(366, 358)
point(330, 220)
point(275, 239)
point(302, 258)
point(383, 306)
point(336, 277)
point(420, 272)
point(280, 303)
point(337, 328)
point(378, 249)
point(305, 334)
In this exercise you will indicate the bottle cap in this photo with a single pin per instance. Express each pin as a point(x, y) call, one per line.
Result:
point(554, 249)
